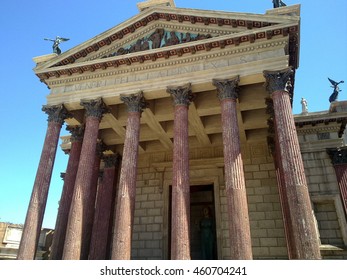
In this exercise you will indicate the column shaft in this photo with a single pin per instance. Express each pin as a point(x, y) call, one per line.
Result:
point(239, 228)
point(38, 200)
point(304, 232)
point(76, 230)
point(88, 228)
point(100, 233)
point(121, 247)
point(180, 221)
point(66, 197)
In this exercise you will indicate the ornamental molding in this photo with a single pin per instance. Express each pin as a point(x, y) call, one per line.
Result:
point(178, 18)
point(239, 53)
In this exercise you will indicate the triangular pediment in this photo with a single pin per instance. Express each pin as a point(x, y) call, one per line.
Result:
point(165, 31)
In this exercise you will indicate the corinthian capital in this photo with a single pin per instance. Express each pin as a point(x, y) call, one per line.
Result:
point(135, 102)
point(76, 131)
point(182, 95)
point(56, 113)
point(278, 80)
point(227, 88)
point(94, 107)
point(111, 160)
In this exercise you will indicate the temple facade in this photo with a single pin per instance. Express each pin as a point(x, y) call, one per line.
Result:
point(182, 143)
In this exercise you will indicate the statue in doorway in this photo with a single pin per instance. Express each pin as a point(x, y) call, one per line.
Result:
point(206, 234)
point(278, 3)
point(56, 43)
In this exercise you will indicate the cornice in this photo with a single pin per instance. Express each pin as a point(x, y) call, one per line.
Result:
point(164, 63)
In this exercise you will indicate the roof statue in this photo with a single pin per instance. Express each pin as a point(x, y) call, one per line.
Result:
point(334, 95)
point(304, 106)
point(56, 43)
point(278, 3)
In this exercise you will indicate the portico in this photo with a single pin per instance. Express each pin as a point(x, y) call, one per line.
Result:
point(178, 95)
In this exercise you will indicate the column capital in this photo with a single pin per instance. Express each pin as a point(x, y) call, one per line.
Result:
point(111, 160)
point(56, 113)
point(135, 102)
point(182, 95)
point(94, 107)
point(279, 80)
point(76, 131)
point(100, 148)
point(227, 88)
point(338, 155)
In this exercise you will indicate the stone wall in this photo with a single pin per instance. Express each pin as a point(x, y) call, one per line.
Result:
point(151, 234)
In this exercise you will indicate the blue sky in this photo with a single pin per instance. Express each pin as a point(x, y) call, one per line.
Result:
point(24, 24)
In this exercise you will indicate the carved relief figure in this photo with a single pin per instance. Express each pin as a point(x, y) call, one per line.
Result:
point(156, 38)
point(172, 40)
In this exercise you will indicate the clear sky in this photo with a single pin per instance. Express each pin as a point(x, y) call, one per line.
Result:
point(24, 25)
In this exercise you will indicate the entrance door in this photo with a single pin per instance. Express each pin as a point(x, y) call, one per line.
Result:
point(203, 244)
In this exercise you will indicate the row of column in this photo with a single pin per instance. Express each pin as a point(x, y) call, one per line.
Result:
point(81, 196)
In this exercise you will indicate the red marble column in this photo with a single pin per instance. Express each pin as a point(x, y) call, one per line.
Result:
point(121, 246)
point(37, 205)
point(180, 221)
point(282, 190)
point(239, 228)
point(76, 229)
point(100, 233)
point(87, 231)
point(305, 237)
point(339, 160)
point(66, 196)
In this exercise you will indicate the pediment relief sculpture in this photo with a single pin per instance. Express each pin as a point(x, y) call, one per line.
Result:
point(158, 39)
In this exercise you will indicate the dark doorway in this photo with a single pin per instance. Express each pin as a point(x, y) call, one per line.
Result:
point(203, 242)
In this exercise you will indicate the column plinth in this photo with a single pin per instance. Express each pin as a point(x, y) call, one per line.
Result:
point(78, 216)
point(239, 228)
point(125, 206)
point(37, 205)
point(304, 233)
point(180, 221)
point(68, 188)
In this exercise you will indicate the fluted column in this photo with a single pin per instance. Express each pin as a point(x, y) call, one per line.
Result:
point(38, 200)
point(303, 227)
point(239, 228)
point(78, 212)
point(100, 233)
point(121, 247)
point(339, 160)
point(180, 221)
point(66, 196)
point(88, 226)
point(281, 183)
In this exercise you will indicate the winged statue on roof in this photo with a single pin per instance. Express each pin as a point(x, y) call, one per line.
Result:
point(278, 3)
point(335, 86)
point(56, 43)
